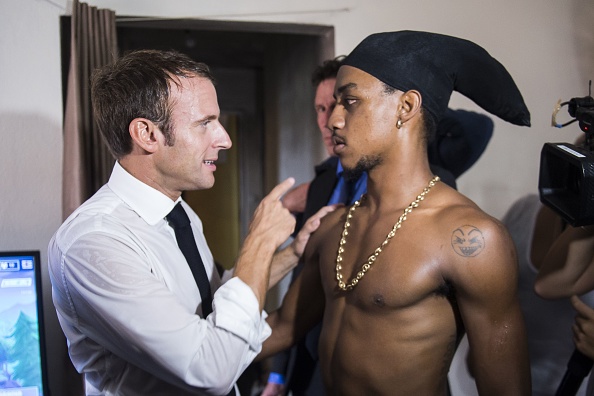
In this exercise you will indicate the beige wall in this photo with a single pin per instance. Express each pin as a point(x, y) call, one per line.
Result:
point(31, 139)
point(547, 45)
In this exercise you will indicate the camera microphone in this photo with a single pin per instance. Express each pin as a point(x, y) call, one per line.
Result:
point(577, 105)
point(582, 109)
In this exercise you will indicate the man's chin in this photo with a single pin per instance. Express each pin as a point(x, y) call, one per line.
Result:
point(350, 171)
point(352, 174)
point(204, 184)
point(364, 164)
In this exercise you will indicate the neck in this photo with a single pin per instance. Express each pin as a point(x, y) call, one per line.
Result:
point(142, 168)
point(398, 182)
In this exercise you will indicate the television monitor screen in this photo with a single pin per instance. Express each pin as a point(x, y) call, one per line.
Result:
point(22, 349)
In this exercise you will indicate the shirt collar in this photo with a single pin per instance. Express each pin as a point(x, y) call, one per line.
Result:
point(150, 204)
point(339, 169)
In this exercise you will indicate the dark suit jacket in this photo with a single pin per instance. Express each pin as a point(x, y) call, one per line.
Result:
point(320, 190)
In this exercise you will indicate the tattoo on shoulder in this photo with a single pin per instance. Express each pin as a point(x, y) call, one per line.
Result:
point(468, 241)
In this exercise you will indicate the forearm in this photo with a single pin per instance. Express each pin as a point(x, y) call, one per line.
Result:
point(283, 262)
point(152, 323)
point(499, 360)
point(253, 266)
point(282, 337)
point(506, 377)
point(302, 308)
point(567, 268)
point(270, 227)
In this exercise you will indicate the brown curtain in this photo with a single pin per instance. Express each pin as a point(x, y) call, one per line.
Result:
point(87, 161)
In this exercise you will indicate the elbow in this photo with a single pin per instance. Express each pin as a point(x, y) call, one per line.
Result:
point(225, 380)
point(219, 383)
point(539, 290)
point(216, 369)
point(223, 387)
point(546, 291)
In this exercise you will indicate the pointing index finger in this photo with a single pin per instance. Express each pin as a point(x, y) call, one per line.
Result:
point(278, 191)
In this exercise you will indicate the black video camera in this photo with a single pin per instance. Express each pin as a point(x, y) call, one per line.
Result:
point(566, 180)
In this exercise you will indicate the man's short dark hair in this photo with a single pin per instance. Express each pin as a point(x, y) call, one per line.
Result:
point(328, 69)
point(138, 85)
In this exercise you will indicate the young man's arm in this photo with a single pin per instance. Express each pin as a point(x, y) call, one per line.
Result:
point(486, 290)
point(302, 307)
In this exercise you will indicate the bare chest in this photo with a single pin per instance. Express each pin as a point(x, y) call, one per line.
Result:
point(382, 272)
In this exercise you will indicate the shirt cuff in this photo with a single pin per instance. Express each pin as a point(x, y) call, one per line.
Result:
point(236, 309)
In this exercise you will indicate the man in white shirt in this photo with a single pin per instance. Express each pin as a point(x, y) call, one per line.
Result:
point(125, 296)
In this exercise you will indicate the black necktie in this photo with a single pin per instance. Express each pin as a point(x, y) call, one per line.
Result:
point(178, 219)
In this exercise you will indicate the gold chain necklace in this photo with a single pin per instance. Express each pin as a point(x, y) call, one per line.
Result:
point(353, 282)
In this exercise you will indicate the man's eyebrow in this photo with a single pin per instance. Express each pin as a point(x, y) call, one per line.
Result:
point(344, 87)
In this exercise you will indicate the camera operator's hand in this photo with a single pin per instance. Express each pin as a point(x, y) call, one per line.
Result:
point(583, 328)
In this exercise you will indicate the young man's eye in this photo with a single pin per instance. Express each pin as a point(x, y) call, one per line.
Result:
point(349, 102)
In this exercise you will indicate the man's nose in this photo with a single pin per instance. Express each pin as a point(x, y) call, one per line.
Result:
point(335, 121)
point(223, 139)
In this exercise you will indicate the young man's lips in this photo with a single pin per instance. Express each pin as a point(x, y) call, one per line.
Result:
point(338, 146)
point(337, 140)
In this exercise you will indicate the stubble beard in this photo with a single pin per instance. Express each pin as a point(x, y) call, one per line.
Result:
point(365, 164)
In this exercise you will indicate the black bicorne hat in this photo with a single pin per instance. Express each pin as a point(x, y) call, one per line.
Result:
point(435, 65)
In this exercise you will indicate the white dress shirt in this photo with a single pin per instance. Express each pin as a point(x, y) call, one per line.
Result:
point(129, 306)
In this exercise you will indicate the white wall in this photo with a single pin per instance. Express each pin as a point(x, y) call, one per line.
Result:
point(547, 45)
point(31, 139)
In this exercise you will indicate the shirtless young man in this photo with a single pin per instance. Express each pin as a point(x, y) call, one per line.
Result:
point(449, 268)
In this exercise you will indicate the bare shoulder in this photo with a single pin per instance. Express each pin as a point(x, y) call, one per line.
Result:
point(478, 245)
point(472, 231)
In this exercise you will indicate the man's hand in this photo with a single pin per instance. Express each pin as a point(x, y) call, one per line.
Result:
point(583, 328)
point(272, 222)
point(310, 226)
point(271, 225)
point(295, 199)
point(286, 259)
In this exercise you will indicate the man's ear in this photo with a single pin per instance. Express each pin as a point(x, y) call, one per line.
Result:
point(410, 105)
point(144, 134)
